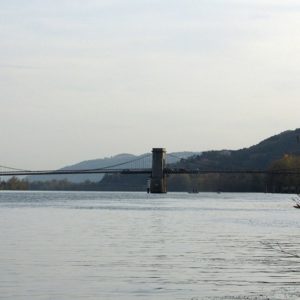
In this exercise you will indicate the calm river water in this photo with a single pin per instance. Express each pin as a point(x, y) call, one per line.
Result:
point(78, 245)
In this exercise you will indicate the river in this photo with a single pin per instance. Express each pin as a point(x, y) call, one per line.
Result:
point(101, 245)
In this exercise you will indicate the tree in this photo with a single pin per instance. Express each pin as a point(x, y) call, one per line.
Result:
point(278, 181)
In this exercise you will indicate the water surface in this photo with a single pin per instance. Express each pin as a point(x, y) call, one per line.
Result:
point(78, 245)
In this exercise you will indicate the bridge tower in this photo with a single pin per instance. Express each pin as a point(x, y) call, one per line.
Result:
point(158, 183)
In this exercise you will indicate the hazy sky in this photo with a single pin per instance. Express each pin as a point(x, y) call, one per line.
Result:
point(83, 79)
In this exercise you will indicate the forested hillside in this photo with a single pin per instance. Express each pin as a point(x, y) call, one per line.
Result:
point(257, 157)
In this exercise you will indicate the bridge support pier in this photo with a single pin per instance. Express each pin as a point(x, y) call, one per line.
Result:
point(158, 184)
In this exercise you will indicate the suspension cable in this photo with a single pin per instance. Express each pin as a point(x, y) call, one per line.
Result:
point(93, 169)
point(14, 169)
point(124, 163)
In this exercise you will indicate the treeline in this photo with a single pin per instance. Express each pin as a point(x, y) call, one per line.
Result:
point(14, 184)
point(218, 183)
point(285, 183)
point(109, 183)
point(51, 185)
point(114, 182)
point(280, 179)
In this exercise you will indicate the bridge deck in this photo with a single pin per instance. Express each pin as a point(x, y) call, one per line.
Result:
point(145, 171)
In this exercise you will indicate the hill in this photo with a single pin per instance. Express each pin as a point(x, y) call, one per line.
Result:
point(104, 162)
point(88, 164)
point(257, 157)
point(261, 156)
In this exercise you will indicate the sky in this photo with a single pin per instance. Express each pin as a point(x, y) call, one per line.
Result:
point(85, 79)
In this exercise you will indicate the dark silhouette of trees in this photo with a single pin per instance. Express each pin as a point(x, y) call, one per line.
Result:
point(285, 183)
point(14, 184)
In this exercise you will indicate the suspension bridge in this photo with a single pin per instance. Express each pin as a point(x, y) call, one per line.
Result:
point(154, 164)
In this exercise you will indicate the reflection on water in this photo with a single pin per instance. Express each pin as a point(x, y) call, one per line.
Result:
point(139, 246)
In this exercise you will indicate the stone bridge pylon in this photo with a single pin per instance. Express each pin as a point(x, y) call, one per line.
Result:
point(158, 183)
